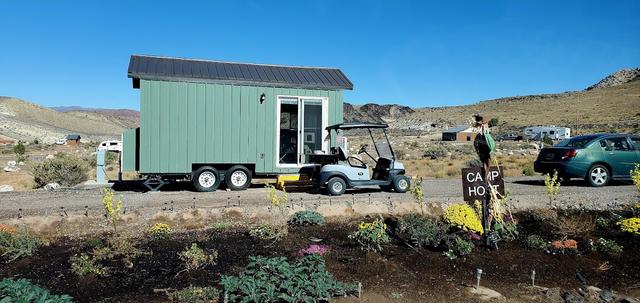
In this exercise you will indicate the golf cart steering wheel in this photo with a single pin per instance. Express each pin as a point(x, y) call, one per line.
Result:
point(363, 148)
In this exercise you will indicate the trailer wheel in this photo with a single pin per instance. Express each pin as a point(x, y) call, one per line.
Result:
point(206, 178)
point(238, 178)
point(401, 183)
point(336, 186)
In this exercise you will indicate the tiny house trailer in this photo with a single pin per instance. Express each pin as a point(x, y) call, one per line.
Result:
point(554, 132)
point(217, 122)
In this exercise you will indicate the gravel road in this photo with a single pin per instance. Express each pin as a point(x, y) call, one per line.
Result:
point(525, 193)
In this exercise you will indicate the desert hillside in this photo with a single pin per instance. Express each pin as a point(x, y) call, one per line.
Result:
point(22, 120)
point(612, 104)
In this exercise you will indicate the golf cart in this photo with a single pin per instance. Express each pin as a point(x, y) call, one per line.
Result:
point(346, 171)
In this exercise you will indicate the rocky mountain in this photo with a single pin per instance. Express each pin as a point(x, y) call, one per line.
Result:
point(23, 120)
point(618, 78)
point(372, 112)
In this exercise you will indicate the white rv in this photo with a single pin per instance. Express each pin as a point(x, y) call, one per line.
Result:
point(554, 132)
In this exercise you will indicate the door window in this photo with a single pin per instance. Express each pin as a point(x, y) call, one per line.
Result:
point(288, 131)
point(636, 142)
point(301, 131)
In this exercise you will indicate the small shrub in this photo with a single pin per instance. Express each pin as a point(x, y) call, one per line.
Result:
point(458, 247)
point(552, 183)
point(218, 226)
point(418, 194)
point(84, 264)
point(606, 246)
point(635, 176)
point(9, 229)
point(506, 230)
point(547, 140)
point(263, 232)
point(474, 163)
point(195, 258)
point(194, 294)
point(65, 170)
point(435, 151)
point(19, 149)
point(119, 249)
point(276, 280)
point(422, 232)
point(159, 231)
point(528, 170)
point(112, 208)
point(371, 236)
point(94, 242)
point(314, 249)
point(306, 217)
point(631, 225)
point(19, 244)
point(602, 222)
point(536, 242)
point(463, 217)
point(568, 246)
point(24, 291)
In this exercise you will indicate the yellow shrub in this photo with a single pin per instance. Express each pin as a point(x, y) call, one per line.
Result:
point(464, 217)
point(635, 176)
point(631, 225)
point(159, 230)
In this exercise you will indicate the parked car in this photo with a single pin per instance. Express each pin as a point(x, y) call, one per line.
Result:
point(61, 141)
point(596, 158)
point(113, 145)
point(509, 137)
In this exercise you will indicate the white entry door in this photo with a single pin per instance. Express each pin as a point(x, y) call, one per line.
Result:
point(301, 123)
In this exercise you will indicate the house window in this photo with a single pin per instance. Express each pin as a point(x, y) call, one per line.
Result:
point(301, 131)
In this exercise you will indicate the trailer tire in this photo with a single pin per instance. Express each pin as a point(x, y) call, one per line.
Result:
point(336, 186)
point(205, 179)
point(238, 177)
point(401, 183)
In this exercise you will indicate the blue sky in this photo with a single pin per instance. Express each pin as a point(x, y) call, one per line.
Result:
point(417, 53)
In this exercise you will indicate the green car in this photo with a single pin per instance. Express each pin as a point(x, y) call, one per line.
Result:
point(595, 158)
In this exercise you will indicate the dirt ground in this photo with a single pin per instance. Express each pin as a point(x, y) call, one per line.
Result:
point(398, 274)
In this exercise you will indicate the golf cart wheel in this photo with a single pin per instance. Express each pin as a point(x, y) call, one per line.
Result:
point(598, 175)
point(336, 186)
point(238, 178)
point(206, 178)
point(401, 183)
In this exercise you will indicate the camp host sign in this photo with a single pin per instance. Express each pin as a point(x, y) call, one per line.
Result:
point(473, 185)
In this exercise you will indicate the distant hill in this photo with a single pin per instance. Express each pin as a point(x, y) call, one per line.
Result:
point(23, 120)
point(613, 104)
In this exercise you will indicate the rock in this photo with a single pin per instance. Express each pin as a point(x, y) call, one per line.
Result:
point(553, 295)
point(485, 294)
point(5, 188)
point(11, 163)
point(11, 168)
point(570, 297)
point(49, 157)
point(21, 163)
point(52, 186)
point(607, 295)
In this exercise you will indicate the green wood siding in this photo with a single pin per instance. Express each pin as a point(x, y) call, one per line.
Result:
point(196, 123)
point(129, 150)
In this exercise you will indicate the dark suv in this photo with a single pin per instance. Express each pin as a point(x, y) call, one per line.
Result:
point(596, 158)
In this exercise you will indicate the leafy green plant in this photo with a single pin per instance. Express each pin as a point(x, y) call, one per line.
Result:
point(19, 244)
point(371, 236)
point(23, 291)
point(507, 231)
point(66, 170)
point(93, 242)
point(418, 194)
point(263, 232)
point(458, 247)
point(112, 208)
point(422, 231)
point(276, 280)
point(536, 242)
point(606, 246)
point(121, 249)
point(194, 294)
point(552, 183)
point(218, 226)
point(306, 217)
point(194, 257)
point(84, 264)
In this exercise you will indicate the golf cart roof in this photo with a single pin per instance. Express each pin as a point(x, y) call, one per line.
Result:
point(352, 125)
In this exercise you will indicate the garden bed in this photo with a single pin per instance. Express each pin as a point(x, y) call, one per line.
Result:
point(398, 274)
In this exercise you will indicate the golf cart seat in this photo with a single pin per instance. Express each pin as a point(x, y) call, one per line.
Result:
point(381, 171)
point(342, 156)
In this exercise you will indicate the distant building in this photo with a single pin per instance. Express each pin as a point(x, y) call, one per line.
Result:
point(459, 133)
point(554, 132)
point(73, 139)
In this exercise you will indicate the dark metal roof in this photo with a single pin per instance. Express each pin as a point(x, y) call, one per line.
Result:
point(352, 125)
point(456, 129)
point(190, 70)
point(73, 137)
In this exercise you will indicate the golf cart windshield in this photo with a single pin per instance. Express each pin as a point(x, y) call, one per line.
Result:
point(383, 148)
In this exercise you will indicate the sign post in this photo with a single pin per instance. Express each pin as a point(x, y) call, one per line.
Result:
point(475, 188)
